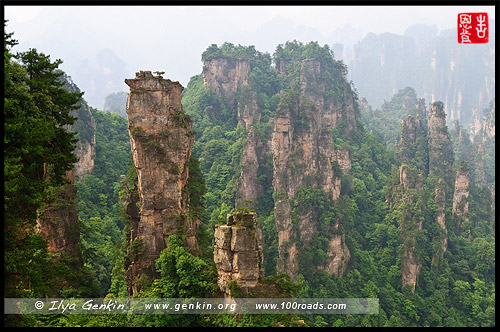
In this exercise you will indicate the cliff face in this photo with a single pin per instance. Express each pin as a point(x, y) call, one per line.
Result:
point(484, 161)
point(488, 128)
point(440, 147)
point(255, 148)
point(424, 148)
point(161, 140)
point(413, 147)
point(225, 75)
point(407, 195)
point(86, 149)
point(58, 222)
point(228, 77)
point(238, 253)
point(116, 103)
point(254, 156)
point(303, 156)
point(300, 144)
point(437, 69)
point(460, 210)
point(86, 128)
point(440, 201)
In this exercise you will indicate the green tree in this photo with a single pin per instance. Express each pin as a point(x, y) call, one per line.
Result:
point(36, 112)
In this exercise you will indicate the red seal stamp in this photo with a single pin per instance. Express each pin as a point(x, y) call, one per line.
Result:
point(472, 28)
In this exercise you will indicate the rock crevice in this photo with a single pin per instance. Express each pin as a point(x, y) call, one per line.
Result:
point(161, 141)
point(238, 253)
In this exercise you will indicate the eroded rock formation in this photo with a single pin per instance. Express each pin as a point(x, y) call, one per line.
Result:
point(58, 222)
point(304, 155)
point(85, 126)
point(407, 196)
point(161, 141)
point(440, 147)
point(225, 75)
point(424, 149)
point(299, 144)
point(460, 210)
point(412, 147)
point(238, 253)
point(440, 201)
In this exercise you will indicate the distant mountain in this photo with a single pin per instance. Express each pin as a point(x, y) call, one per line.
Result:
point(116, 103)
point(101, 75)
point(439, 68)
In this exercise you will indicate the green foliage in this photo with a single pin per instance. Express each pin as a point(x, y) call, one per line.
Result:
point(98, 198)
point(228, 50)
point(37, 111)
point(375, 213)
point(386, 121)
point(116, 103)
point(292, 54)
point(182, 274)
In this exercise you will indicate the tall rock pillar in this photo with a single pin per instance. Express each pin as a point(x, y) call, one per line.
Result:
point(161, 141)
point(304, 156)
point(460, 209)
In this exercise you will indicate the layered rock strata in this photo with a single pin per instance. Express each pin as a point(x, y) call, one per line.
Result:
point(238, 252)
point(225, 76)
point(304, 155)
point(301, 148)
point(440, 147)
point(58, 222)
point(85, 126)
point(460, 210)
point(440, 201)
point(161, 141)
point(408, 195)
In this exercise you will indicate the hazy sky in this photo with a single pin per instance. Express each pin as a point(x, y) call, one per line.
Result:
point(172, 38)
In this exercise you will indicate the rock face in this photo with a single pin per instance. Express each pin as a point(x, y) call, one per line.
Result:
point(85, 126)
point(440, 201)
point(488, 129)
point(424, 148)
point(249, 187)
point(116, 103)
point(484, 161)
point(412, 147)
point(238, 244)
point(460, 210)
point(304, 156)
point(225, 75)
point(391, 62)
point(161, 140)
point(238, 252)
point(58, 222)
point(299, 147)
point(440, 147)
point(254, 150)
point(407, 195)
point(440, 164)
point(86, 148)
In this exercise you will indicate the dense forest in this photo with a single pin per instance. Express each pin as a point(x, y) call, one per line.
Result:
point(351, 202)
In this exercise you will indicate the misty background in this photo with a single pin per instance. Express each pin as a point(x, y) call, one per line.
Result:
point(385, 48)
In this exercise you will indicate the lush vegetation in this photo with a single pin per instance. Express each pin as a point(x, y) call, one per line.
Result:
point(116, 103)
point(456, 288)
point(37, 153)
point(100, 212)
point(386, 121)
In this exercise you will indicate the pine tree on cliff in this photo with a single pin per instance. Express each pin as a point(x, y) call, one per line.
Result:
point(36, 110)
